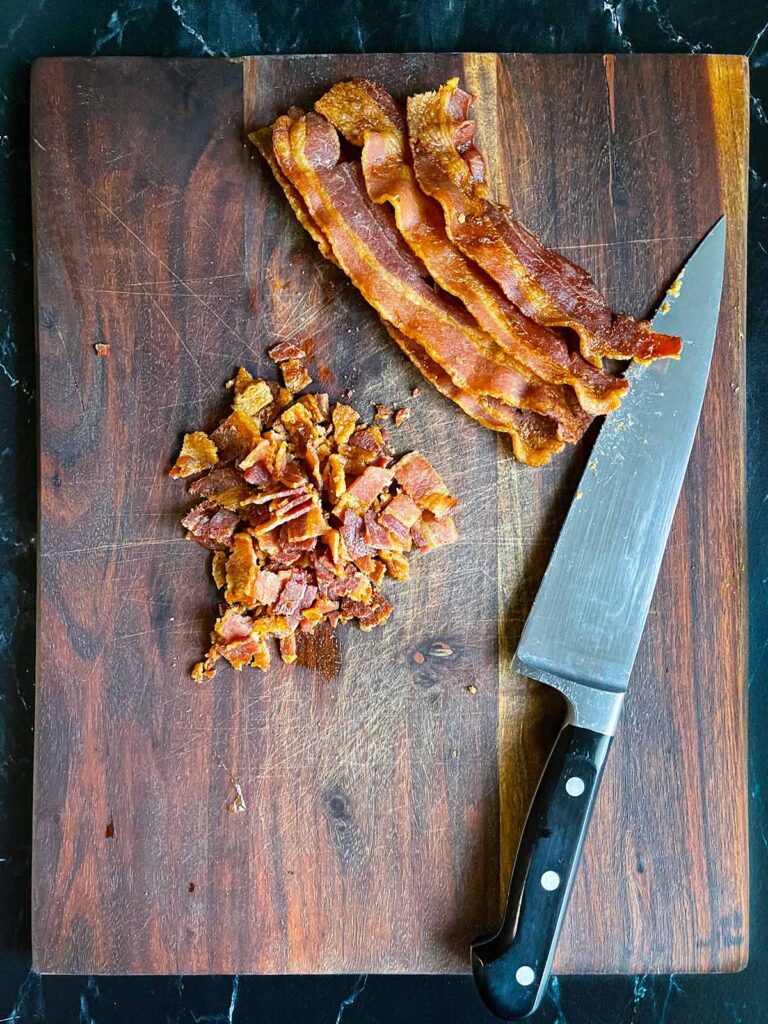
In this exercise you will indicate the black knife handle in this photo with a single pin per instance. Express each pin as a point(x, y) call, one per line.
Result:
point(512, 968)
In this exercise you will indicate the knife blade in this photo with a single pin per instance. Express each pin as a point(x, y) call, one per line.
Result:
point(585, 626)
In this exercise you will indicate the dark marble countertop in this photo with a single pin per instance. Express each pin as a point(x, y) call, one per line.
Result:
point(34, 28)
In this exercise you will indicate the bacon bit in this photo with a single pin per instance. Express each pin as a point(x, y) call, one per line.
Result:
point(344, 419)
point(219, 569)
point(253, 398)
point(101, 348)
point(287, 645)
point(401, 416)
point(416, 392)
point(307, 513)
point(295, 375)
point(287, 350)
point(198, 453)
point(241, 571)
point(383, 412)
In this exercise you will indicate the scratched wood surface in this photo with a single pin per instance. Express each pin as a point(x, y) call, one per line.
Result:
point(383, 799)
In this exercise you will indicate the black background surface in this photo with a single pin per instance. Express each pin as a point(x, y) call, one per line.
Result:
point(35, 28)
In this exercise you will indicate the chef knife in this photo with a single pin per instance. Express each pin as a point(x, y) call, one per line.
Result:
point(584, 628)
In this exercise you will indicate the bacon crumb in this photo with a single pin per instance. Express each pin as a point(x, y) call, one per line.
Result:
point(383, 412)
point(101, 349)
point(401, 416)
point(416, 392)
point(307, 511)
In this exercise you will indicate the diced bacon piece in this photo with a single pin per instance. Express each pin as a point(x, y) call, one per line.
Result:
point(288, 648)
point(431, 532)
point(222, 478)
point(369, 615)
point(353, 534)
point(344, 418)
point(419, 478)
point(198, 453)
point(295, 375)
point(383, 412)
point(311, 524)
point(218, 569)
point(266, 587)
point(362, 492)
point(317, 405)
point(236, 436)
point(233, 626)
point(334, 478)
point(396, 564)
point(402, 508)
point(364, 589)
point(251, 651)
point(210, 525)
point(241, 572)
point(300, 506)
point(312, 462)
point(253, 398)
point(401, 415)
point(378, 572)
point(286, 350)
point(374, 534)
point(271, 625)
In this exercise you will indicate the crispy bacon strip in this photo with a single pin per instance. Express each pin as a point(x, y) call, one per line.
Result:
point(546, 286)
point(535, 438)
point(368, 117)
point(366, 246)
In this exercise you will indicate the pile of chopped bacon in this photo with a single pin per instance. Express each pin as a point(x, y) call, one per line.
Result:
point(413, 225)
point(306, 510)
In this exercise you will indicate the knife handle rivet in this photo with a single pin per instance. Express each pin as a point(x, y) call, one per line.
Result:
point(574, 786)
point(550, 881)
point(524, 975)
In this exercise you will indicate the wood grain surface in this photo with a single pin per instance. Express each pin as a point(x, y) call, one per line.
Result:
point(384, 800)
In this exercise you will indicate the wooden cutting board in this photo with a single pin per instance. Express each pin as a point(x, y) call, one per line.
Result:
point(384, 800)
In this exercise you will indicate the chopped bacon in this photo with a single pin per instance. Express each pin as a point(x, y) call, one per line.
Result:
point(253, 398)
point(544, 285)
point(364, 490)
point(234, 626)
point(287, 350)
point(306, 517)
point(242, 569)
point(211, 525)
point(287, 646)
point(236, 436)
point(218, 480)
point(344, 419)
point(295, 375)
point(383, 412)
point(401, 415)
point(198, 452)
point(219, 569)
point(423, 483)
point(267, 587)
point(431, 532)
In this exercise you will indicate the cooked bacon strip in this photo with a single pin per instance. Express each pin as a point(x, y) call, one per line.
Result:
point(535, 438)
point(262, 140)
point(366, 246)
point(368, 117)
point(544, 285)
